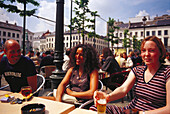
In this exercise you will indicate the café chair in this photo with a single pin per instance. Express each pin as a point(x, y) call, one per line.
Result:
point(46, 71)
point(115, 80)
point(90, 102)
point(78, 104)
point(1, 88)
point(40, 84)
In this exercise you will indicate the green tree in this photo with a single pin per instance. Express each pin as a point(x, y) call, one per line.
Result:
point(81, 12)
point(111, 29)
point(93, 26)
point(136, 43)
point(6, 4)
point(126, 40)
point(14, 9)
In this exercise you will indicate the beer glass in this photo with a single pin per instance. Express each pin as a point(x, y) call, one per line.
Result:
point(101, 106)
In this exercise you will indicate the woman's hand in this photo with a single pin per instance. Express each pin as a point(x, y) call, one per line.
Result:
point(131, 111)
point(68, 91)
point(99, 95)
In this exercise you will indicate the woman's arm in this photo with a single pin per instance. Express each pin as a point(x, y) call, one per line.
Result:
point(93, 87)
point(62, 85)
point(165, 109)
point(123, 89)
point(118, 92)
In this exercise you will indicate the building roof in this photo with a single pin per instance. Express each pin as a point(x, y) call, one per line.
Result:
point(124, 25)
point(150, 24)
point(6, 25)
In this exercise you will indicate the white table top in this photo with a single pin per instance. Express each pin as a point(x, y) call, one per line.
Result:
point(51, 107)
point(82, 111)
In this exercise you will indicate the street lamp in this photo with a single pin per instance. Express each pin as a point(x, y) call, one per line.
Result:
point(58, 74)
point(144, 23)
point(71, 24)
point(24, 21)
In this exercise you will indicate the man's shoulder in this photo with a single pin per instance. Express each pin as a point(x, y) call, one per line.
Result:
point(25, 59)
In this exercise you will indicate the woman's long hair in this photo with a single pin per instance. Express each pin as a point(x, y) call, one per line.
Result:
point(90, 58)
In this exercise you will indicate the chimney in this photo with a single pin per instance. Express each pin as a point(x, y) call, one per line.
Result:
point(15, 24)
point(6, 22)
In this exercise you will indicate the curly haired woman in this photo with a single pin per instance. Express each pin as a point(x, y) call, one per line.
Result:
point(82, 77)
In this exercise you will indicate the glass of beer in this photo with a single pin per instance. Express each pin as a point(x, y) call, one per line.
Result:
point(26, 91)
point(101, 106)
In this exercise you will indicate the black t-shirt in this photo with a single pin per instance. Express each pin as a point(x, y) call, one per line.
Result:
point(16, 75)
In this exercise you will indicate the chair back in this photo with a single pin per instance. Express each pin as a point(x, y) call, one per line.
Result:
point(115, 80)
point(100, 85)
point(46, 71)
point(40, 84)
point(119, 77)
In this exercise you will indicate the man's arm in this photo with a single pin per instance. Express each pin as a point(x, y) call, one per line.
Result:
point(32, 81)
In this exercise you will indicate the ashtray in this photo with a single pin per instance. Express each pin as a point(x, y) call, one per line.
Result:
point(33, 109)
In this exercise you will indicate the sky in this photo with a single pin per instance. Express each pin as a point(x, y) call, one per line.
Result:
point(120, 10)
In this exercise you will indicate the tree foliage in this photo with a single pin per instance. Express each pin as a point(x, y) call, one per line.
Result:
point(111, 29)
point(80, 20)
point(126, 40)
point(15, 9)
point(136, 43)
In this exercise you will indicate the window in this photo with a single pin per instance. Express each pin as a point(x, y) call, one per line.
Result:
point(120, 34)
point(4, 40)
point(130, 34)
point(116, 34)
point(30, 37)
point(17, 35)
point(0, 33)
point(73, 37)
point(165, 32)
point(13, 35)
point(141, 34)
point(165, 42)
point(147, 33)
point(153, 33)
point(4, 33)
point(67, 38)
point(9, 34)
point(136, 33)
point(159, 32)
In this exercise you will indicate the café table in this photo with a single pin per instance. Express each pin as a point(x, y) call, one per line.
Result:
point(82, 111)
point(51, 107)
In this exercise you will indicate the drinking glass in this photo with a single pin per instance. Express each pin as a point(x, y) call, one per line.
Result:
point(101, 106)
point(26, 91)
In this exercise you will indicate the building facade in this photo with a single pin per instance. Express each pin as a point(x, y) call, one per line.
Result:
point(12, 31)
point(49, 41)
point(159, 26)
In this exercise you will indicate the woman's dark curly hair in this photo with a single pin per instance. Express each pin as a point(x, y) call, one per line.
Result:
point(90, 58)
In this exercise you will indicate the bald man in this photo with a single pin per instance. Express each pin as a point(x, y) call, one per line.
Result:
point(18, 70)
